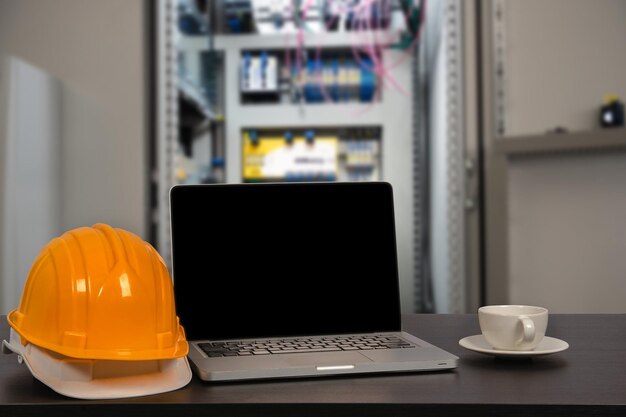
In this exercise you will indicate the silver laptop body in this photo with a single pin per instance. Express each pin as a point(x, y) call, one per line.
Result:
point(313, 290)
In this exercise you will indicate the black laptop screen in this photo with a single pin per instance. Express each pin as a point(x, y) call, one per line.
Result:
point(271, 260)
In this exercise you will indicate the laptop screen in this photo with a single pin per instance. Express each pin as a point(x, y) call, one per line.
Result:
point(284, 259)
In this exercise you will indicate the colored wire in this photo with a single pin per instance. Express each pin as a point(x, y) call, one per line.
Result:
point(368, 24)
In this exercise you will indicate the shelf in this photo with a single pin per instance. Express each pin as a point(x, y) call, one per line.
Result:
point(319, 115)
point(311, 40)
point(610, 138)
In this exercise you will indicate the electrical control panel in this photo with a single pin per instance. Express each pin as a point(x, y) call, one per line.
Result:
point(291, 87)
point(323, 154)
point(335, 76)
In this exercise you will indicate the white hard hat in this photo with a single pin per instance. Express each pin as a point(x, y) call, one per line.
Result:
point(100, 379)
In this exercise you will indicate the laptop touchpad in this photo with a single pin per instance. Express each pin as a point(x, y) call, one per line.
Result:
point(330, 358)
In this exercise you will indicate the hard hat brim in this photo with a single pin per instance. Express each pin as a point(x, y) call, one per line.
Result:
point(101, 379)
point(178, 350)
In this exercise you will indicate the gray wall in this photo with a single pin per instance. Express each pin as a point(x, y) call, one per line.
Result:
point(568, 232)
point(95, 49)
point(567, 237)
point(563, 57)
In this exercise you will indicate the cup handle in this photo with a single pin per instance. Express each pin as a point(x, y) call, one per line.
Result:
point(529, 330)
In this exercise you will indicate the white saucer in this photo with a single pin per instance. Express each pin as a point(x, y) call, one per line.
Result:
point(548, 345)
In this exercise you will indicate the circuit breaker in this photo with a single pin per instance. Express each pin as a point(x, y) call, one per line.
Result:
point(323, 154)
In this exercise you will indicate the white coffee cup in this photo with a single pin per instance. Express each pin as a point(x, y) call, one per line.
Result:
point(513, 327)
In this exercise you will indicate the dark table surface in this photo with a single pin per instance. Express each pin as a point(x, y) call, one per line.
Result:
point(588, 379)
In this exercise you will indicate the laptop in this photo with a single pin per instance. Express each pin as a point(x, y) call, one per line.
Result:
point(275, 280)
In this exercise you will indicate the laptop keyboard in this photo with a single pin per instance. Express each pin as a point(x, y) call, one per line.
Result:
point(303, 345)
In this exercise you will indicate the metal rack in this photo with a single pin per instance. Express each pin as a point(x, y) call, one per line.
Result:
point(162, 174)
point(393, 114)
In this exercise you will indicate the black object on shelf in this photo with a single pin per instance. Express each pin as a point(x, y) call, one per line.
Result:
point(612, 112)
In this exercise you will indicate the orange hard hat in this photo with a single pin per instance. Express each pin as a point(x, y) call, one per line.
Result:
point(100, 293)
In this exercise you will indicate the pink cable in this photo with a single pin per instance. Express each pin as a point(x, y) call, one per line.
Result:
point(373, 49)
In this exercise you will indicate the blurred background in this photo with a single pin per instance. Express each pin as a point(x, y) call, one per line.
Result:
point(499, 123)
